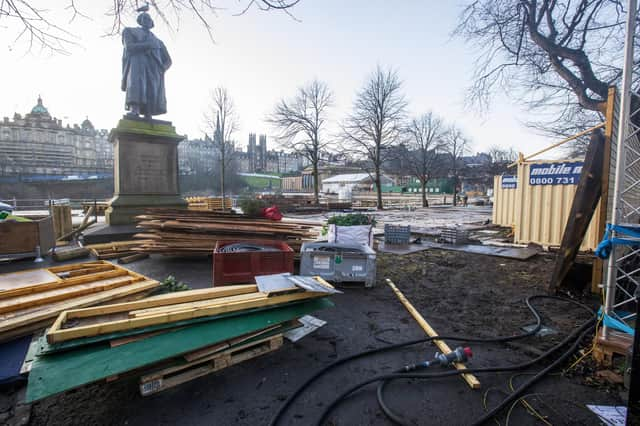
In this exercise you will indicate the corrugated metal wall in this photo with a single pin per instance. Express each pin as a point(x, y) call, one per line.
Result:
point(504, 204)
point(539, 213)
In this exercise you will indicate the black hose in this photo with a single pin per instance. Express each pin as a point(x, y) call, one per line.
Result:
point(396, 418)
point(513, 396)
point(341, 361)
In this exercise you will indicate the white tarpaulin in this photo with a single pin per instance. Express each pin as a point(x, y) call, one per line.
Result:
point(357, 234)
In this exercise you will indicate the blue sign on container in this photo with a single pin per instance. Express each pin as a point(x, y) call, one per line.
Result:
point(555, 173)
point(509, 182)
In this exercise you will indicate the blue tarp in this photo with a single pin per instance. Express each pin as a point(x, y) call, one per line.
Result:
point(12, 355)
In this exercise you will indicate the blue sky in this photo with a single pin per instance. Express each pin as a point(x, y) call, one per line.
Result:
point(261, 57)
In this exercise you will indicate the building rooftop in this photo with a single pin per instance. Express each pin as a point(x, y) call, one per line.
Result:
point(39, 109)
point(350, 178)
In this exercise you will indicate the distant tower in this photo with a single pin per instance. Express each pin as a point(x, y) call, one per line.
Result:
point(263, 153)
point(251, 151)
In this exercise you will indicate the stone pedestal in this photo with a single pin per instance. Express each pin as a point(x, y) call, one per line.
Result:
point(145, 170)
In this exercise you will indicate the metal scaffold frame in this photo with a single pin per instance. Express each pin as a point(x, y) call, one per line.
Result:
point(623, 273)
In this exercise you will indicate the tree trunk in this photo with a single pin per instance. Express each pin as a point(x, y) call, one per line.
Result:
point(425, 203)
point(455, 190)
point(316, 184)
point(379, 188)
point(222, 181)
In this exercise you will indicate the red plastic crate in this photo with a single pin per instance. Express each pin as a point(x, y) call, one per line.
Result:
point(242, 267)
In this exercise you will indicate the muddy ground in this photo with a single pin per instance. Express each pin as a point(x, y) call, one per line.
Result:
point(457, 293)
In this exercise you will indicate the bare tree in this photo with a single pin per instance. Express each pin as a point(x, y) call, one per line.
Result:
point(557, 57)
point(455, 145)
point(35, 25)
point(301, 122)
point(376, 123)
point(222, 122)
point(425, 139)
point(501, 158)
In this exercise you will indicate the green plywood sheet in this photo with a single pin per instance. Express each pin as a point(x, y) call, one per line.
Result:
point(48, 348)
point(59, 372)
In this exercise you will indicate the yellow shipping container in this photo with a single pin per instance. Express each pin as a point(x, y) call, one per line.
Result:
point(539, 213)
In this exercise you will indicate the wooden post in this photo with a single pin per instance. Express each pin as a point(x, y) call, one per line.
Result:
point(471, 380)
point(609, 121)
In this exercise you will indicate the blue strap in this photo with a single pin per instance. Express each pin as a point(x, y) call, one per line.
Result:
point(603, 250)
point(615, 323)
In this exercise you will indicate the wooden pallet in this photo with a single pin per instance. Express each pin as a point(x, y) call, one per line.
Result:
point(173, 376)
point(209, 203)
point(616, 344)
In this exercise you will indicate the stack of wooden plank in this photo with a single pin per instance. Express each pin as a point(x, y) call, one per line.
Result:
point(304, 203)
point(172, 231)
point(30, 300)
point(209, 203)
point(165, 340)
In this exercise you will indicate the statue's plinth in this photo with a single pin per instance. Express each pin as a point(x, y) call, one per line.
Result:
point(145, 169)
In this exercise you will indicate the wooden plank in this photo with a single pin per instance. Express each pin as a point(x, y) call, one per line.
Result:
point(83, 341)
point(138, 313)
point(130, 339)
point(583, 208)
point(66, 292)
point(116, 255)
point(598, 264)
point(62, 371)
point(91, 277)
point(76, 266)
point(87, 270)
point(114, 245)
point(16, 282)
point(132, 258)
point(471, 380)
point(165, 299)
point(60, 335)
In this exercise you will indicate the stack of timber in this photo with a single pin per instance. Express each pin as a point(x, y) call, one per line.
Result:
point(304, 203)
point(30, 300)
point(209, 203)
point(170, 231)
point(166, 340)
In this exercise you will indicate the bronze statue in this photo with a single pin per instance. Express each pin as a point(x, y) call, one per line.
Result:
point(145, 59)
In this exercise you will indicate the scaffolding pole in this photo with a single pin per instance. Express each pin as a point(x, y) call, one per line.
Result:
point(620, 183)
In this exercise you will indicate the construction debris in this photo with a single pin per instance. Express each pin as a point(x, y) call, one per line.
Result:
point(167, 339)
point(173, 231)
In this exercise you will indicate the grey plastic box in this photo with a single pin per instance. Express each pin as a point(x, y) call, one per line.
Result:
point(397, 234)
point(339, 262)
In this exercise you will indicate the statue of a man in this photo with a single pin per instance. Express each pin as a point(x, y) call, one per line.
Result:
point(144, 62)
